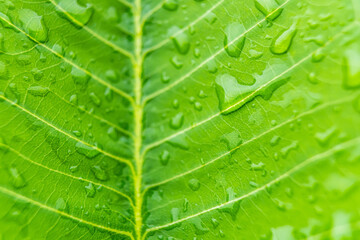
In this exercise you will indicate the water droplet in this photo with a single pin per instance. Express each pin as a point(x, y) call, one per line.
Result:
point(274, 140)
point(351, 68)
point(234, 40)
point(180, 39)
point(16, 179)
point(211, 66)
point(257, 166)
point(194, 184)
point(312, 78)
point(87, 151)
point(60, 204)
point(33, 24)
point(100, 173)
point(233, 95)
point(232, 140)
point(185, 205)
point(90, 190)
point(270, 8)
point(200, 229)
point(177, 121)
point(175, 214)
point(176, 62)
point(112, 133)
point(171, 5)
point(38, 91)
point(95, 99)
point(164, 157)
point(58, 49)
point(74, 99)
point(210, 18)
point(232, 208)
point(111, 76)
point(82, 13)
point(4, 73)
point(255, 54)
point(38, 74)
point(286, 150)
point(282, 43)
point(215, 222)
point(323, 138)
point(80, 77)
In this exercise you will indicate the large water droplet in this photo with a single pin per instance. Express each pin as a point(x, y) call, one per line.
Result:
point(234, 40)
point(164, 157)
point(282, 43)
point(233, 95)
point(33, 24)
point(323, 138)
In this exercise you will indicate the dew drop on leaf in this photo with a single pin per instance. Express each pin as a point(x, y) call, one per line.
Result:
point(164, 157)
point(323, 138)
point(171, 5)
point(4, 73)
point(177, 121)
point(282, 43)
point(100, 173)
point(80, 77)
point(33, 24)
point(38, 91)
point(60, 204)
point(269, 8)
point(82, 13)
point(90, 190)
point(16, 178)
point(234, 40)
point(194, 184)
point(87, 151)
point(351, 68)
point(180, 39)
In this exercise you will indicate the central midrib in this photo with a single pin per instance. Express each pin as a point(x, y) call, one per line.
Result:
point(138, 115)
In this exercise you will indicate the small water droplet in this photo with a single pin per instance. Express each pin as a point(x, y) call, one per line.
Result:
point(82, 13)
point(270, 8)
point(234, 40)
point(90, 190)
point(38, 91)
point(60, 204)
point(194, 184)
point(16, 178)
point(177, 121)
point(180, 39)
point(164, 157)
point(100, 173)
point(87, 151)
point(79, 76)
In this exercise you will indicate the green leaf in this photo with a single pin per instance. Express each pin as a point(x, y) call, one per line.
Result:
point(169, 119)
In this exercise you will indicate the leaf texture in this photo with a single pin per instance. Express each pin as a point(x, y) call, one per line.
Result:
point(179, 119)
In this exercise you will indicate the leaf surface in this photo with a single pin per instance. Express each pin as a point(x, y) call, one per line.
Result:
point(193, 119)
